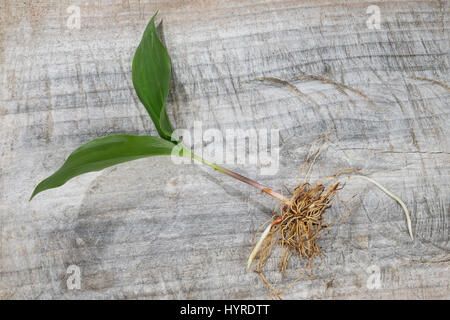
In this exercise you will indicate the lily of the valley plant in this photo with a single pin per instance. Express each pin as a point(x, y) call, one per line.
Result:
point(151, 70)
point(300, 217)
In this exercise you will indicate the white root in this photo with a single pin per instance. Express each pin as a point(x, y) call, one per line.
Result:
point(258, 246)
point(408, 217)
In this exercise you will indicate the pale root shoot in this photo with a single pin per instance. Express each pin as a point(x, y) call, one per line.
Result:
point(258, 246)
point(393, 196)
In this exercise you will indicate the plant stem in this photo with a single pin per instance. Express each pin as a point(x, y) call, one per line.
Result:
point(237, 176)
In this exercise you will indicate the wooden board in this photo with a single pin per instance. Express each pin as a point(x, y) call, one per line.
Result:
point(150, 229)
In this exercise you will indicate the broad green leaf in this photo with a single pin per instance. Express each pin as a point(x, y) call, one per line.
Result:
point(104, 152)
point(151, 78)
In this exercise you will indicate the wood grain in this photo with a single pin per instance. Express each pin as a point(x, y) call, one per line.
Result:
point(151, 229)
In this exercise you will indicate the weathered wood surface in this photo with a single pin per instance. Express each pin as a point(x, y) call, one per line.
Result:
point(150, 229)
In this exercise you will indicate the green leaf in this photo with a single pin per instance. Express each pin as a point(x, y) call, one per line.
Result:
point(151, 78)
point(104, 152)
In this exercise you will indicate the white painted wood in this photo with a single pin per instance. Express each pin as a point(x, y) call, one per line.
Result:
point(150, 229)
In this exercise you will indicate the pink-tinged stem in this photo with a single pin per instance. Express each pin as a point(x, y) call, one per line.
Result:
point(239, 177)
point(252, 183)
